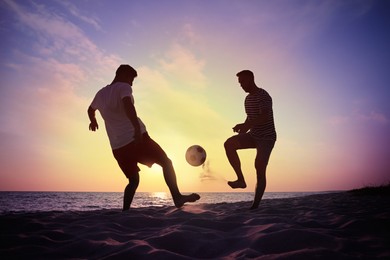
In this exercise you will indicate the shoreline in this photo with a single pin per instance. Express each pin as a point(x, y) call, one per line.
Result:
point(86, 201)
point(339, 225)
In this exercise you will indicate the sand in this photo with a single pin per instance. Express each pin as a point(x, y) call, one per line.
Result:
point(326, 226)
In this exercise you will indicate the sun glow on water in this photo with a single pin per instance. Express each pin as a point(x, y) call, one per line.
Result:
point(159, 195)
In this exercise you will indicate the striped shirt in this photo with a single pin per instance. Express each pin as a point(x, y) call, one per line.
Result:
point(255, 103)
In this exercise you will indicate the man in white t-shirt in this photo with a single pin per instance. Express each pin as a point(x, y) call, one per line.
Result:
point(128, 137)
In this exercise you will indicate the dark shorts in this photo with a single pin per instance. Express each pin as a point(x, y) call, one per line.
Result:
point(147, 153)
point(246, 141)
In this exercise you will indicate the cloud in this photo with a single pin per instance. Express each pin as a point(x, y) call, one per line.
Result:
point(78, 14)
point(338, 120)
point(363, 111)
point(189, 35)
point(181, 64)
point(59, 38)
point(43, 97)
point(58, 48)
point(292, 23)
point(373, 116)
point(172, 97)
point(44, 86)
point(176, 108)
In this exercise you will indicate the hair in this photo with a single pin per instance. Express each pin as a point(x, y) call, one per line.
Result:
point(125, 70)
point(246, 73)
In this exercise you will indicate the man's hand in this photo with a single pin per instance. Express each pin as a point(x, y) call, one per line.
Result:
point(93, 126)
point(241, 128)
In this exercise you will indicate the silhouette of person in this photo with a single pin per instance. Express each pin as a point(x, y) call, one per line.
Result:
point(128, 137)
point(258, 131)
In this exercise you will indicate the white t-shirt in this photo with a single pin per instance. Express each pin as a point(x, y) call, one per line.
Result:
point(109, 102)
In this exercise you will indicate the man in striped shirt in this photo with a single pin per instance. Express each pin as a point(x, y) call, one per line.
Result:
point(258, 131)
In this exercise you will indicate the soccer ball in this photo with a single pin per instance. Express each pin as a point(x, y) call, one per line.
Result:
point(195, 155)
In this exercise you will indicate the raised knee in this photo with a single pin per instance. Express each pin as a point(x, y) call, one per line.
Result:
point(229, 144)
point(226, 144)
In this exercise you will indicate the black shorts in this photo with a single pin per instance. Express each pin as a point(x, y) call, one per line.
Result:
point(148, 152)
point(263, 147)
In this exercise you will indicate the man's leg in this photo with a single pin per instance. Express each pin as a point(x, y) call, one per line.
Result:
point(155, 154)
point(170, 179)
point(234, 143)
point(263, 153)
point(128, 164)
point(130, 191)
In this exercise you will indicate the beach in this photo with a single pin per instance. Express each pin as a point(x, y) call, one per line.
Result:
point(338, 225)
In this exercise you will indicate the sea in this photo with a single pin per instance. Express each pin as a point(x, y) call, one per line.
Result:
point(23, 202)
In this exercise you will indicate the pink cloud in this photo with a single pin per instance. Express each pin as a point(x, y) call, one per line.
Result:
point(373, 116)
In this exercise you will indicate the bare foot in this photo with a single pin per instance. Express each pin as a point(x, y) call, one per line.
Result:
point(179, 202)
point(237, 184)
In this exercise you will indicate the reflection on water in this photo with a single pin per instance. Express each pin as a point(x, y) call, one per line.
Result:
point(81, 201)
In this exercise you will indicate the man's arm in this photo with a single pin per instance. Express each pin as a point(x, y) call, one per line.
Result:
point(241, 128)
point(132, 115)
point(248, 124)
point(91, 114)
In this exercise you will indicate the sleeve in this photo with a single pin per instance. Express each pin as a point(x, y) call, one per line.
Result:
point(265, 102)
point(125, 91)
point(95, 104)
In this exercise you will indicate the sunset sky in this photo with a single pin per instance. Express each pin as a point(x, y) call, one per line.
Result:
point(326, 65)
